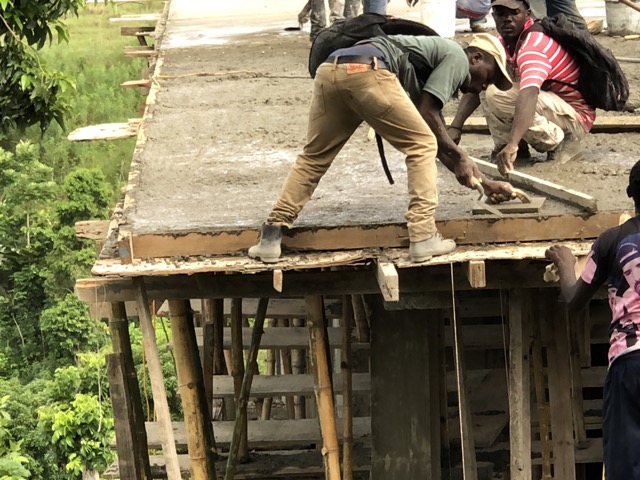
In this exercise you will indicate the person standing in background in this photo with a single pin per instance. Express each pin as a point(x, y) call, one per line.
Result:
point(550, 8)
point(475, 10)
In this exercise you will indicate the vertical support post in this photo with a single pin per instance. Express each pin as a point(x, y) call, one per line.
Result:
point(400, 395)
point(243, 397)
point(560, 389)
point(287, 368)
point(574, 334)
point(197, 418)
point(519, 386)
point(150, 345)
point(318, 342)
point(436, 377)
point(208, 338)
point(347, 390)
point(299, 366)
point(237, 369)
point(271, 370)
point(541, 400)
point(138, 454)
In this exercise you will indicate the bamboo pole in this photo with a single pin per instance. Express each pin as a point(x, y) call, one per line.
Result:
point(237, 369)
point(347, 390)
point(219, 405)
point(299, 366)
point(208, 353)
point(270, 370)
point(197, 418)
point(316, 323)
point(287, 368)
point(630, 4)
point(239, 432)
point(361, 318)
point(150, 345)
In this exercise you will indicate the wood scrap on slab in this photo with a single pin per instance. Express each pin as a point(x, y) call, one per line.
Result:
point(603, 124)
point(511, 207)
point(106, 131)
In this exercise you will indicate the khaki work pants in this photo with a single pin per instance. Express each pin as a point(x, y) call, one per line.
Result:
point(553, 119)
point(344, 96)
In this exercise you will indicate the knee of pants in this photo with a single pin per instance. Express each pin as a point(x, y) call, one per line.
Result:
point(499, 101)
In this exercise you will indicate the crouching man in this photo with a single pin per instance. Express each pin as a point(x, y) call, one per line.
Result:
point(375, 82)
point(545, 109)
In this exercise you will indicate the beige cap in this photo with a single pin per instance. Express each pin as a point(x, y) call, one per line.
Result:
point(491, 45)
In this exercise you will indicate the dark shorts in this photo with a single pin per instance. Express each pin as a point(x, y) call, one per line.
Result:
point(621, 423)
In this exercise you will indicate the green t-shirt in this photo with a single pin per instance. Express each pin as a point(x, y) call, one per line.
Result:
point(447, 59)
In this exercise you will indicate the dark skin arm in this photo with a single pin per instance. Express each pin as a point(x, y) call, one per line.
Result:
point(452, 156)
point(524, 113)
point(576, 292)
point(469, 102)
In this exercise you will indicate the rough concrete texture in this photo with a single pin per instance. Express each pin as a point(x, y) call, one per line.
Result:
point(219, 145)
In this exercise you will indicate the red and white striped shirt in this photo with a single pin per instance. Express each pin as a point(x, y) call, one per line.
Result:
point(540, 61)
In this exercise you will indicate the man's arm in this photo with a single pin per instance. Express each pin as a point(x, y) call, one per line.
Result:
point(575, 292)
point(524, 112)
point(469, 102)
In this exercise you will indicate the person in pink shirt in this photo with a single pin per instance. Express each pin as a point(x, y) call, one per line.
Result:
point(614, 260)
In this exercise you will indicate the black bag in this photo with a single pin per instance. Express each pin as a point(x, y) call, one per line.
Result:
point(346, 33)
point(602, 82)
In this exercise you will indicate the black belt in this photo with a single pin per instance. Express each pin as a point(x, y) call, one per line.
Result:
point(363, 59)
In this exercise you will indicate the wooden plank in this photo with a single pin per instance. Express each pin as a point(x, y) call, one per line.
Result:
point(137, 31)
point(476, 274)
point(140, 51)
point(464, 231)
point(553, 190)
point(560, 388)
point(400, 395)
point(387, 277)
point(603, 124)
point(92, 229)
point(106, 131)
point(519, 389)
point(146, 17)
point(511, 207)
point(143, 83)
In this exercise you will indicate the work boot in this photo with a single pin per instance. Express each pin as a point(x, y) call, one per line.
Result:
point(268, 250)
point(425, 249)
point(568, 149)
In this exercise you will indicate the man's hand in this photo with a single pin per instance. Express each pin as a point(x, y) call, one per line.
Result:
point(561, 256)
point(412, 3)
point(455, 134)
point(465, 171)
point(506, 158)
point(498, 191)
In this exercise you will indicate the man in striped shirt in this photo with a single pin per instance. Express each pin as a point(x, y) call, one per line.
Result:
point(544, 108)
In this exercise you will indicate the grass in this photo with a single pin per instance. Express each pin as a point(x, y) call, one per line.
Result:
point(94, 57)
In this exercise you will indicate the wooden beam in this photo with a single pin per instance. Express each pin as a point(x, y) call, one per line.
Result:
point(160, 403)
point(464, 231)
point(106, 131)
point(346, 367)
point(237, 372)
point(140, 51)
point(92, 229)
point(148, 17)
point(520, 179)
point(519, 389)
point(476, 274)
point(387, 277)
point(278, 280)
point(603, 124)
point(511, 207)
point(143, 83)
point(137, 31)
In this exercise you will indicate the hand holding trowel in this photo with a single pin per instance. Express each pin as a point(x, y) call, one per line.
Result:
point(494, 198)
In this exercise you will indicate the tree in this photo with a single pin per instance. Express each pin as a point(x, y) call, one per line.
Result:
point(31, 93)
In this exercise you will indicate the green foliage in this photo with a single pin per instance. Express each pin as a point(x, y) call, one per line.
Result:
point(67, 328)
point(87, 196)
point(81, 432)
point(12, 462)
point(30, 92)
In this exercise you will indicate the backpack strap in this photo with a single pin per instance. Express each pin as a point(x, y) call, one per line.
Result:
point(422, 68)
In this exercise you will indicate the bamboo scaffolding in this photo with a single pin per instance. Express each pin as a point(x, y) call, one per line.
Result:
point(287, 368)
point(299, 366)
point(361, 318)
point(347, 390)
point(208, 353)
point(161, 405)
point(239, 431)
point(270, 370)
point(191, 387)
point(316, 323)
point(237, 370)
point(541, 402)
